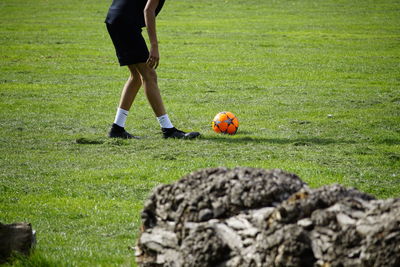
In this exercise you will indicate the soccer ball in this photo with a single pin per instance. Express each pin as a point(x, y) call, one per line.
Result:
point(225, 122)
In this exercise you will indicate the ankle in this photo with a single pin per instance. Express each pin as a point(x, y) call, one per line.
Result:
point(120, 117)
point(164, 121)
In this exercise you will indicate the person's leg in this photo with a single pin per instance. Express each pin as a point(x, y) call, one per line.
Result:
point(130, 89)
point(128, 95)
point(149, 77)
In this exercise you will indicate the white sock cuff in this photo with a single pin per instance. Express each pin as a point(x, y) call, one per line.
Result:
point(164, 121)
point(120, 117)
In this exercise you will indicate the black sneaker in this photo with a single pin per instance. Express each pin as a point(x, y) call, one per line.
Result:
point(117, 131)
point(175, 133)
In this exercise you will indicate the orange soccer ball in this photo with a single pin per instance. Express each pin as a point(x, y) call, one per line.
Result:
point(225, 122)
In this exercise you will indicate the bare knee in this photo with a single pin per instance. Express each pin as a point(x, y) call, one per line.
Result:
point(148, 74)
point(134, 77)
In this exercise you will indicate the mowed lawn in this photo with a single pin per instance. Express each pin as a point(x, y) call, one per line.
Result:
point(315, 85)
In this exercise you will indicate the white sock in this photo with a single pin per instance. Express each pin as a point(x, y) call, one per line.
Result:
point(164, 121)
point(120, 117)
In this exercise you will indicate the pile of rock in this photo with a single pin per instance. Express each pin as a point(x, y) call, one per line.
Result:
point(253, 217)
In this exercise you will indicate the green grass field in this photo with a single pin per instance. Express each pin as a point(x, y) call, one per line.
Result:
point(315, 84)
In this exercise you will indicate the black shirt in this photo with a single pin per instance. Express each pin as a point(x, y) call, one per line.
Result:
point(129, 11)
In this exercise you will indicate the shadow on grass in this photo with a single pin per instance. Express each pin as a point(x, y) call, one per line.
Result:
point(102, 140)
point(245, 137)
point(389, 141)
point(279, 141)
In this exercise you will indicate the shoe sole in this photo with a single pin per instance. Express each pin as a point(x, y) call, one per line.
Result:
point(186, 137)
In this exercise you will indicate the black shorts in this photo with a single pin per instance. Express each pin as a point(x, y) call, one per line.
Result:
point(129, 43)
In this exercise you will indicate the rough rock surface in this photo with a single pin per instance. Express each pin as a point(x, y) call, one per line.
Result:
point(253, 217)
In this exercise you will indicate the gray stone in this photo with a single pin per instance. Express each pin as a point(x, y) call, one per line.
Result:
point(253, 217)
